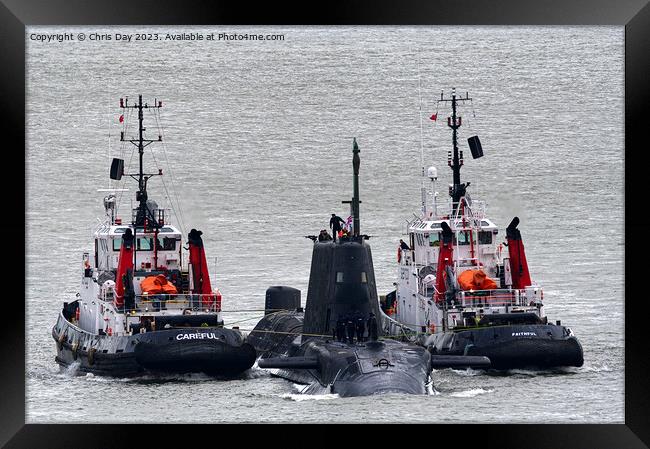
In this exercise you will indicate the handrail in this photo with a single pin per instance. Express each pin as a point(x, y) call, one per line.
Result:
point(515, 297)
point(192, 301)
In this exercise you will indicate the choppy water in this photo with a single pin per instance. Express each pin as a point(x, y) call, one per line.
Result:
point(258, 138)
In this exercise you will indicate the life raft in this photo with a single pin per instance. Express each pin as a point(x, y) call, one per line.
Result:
point(475, 280)
point(154, 285)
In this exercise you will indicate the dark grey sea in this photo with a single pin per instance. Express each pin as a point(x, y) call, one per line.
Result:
point(258, 147)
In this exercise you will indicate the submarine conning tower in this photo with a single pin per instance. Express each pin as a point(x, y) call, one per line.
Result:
point(342, 277)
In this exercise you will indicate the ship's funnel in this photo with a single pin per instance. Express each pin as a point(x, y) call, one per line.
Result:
point(445, 259)
point(518, 263)
point(200, 276)
point(123, 281)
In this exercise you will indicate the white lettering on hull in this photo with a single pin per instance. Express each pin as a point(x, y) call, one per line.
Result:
point(197, 336)
point(524, 334)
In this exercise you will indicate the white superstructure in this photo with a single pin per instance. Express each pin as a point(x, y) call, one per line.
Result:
point(422, 303)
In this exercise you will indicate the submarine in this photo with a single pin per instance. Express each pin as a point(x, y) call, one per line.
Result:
point(337, 344)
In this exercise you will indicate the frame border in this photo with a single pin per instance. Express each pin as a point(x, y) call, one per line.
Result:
point(633, 14)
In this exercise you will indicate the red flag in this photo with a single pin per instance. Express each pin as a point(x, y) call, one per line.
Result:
point(434, 117)
point(121, 118)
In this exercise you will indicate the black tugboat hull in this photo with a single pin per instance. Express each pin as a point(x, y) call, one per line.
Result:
point(539, 346)
point(214, 351)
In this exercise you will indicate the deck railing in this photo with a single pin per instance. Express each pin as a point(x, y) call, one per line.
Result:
point(492, 298)
point(193, 302)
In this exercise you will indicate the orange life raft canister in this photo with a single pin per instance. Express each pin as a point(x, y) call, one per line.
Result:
point(475, 280)
point(153, 285)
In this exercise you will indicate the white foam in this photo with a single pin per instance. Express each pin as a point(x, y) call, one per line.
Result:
point(470, 393)
point(72, 369)
point(308, 397)
point(595, 369)
point(469, 372)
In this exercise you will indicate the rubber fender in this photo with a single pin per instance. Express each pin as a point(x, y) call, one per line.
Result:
point(60, 340)
point(75, 348)
point(91, 356)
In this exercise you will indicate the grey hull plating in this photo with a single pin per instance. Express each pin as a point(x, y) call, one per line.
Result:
point(512, 346)
point(212, 350)
point(326, 366)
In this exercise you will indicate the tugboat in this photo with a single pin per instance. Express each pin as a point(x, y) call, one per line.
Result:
point(141, 308)
point(459, 291)
point(316, 347)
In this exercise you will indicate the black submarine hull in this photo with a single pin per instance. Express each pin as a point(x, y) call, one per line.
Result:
point(347, 369)
point(512, 346)
point(212, 350)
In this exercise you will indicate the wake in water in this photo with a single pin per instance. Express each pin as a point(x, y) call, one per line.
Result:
point(71, 370)
point(308, 393)
point(470, 393)
point(469, 372)
point(298, 397)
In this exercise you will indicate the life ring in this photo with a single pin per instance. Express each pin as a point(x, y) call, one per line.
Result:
point(399, 255)
point(109, 331)
point(76, 315)
point(432, 328)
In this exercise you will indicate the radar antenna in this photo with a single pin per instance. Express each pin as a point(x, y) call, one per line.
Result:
point(143, 212)
point(455, 161)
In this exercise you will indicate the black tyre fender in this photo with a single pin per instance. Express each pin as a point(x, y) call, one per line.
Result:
point(60, 340)
point(91, 356)
point(75, 349)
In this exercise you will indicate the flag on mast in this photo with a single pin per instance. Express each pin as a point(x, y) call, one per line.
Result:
point(121, 118)
point(348, 223)
point(434, 117)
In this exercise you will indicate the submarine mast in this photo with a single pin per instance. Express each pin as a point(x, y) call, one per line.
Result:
point(354, 203)
point(355, 196)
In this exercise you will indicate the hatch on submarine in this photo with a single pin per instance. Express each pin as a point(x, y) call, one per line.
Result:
point(336, 345)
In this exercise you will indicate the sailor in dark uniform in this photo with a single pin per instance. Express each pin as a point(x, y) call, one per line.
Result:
point(350, 328)
point(335, 224)
point(372, 327)
point(360, 325)
point(340, 329)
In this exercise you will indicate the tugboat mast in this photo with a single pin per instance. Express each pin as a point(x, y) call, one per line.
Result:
point(143, 212)
point(455, 161)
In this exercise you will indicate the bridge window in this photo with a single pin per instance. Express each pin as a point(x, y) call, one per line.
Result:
point(117, 244)
point(339, 277)
point(144, 244)
point(485, 237)
point(434, 239)
point(464, 237)
point(167, 243)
